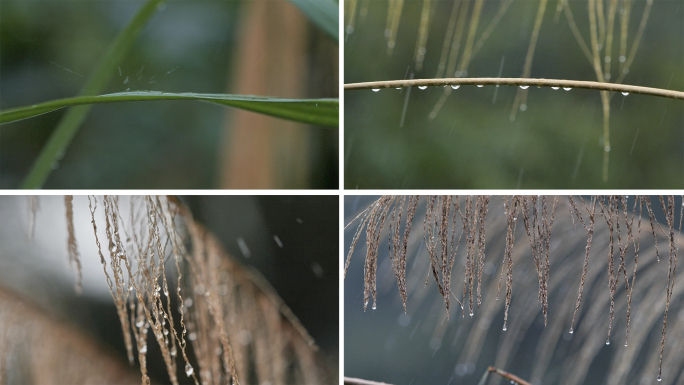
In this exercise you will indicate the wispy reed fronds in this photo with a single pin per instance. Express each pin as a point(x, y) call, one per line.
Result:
point(620, 239)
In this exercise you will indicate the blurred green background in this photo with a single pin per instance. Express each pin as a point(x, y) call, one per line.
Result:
point(555, 143)
point(48, 49)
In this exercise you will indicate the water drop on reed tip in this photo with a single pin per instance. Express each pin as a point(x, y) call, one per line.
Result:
point(504, 328)
point(659, 378)
point(422, 87)
point(571, 331)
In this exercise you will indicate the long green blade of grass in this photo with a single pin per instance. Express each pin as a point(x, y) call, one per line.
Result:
point(323, 13)
point(72, 120)
point(322, 112)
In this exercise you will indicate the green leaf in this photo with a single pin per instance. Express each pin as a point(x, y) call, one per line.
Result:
point(323, 13)
point(322, 112)
point(72, 120)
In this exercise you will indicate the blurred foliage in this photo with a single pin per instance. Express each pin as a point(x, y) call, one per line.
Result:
point(48, 50)
point(555, 143)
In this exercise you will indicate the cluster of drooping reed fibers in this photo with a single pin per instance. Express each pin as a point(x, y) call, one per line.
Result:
point(239, 329)
point(620, 236)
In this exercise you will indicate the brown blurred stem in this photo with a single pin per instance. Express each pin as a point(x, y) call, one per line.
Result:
point(508, 376)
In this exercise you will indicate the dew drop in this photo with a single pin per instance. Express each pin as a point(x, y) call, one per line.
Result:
point(140, 323)
point(504, 328)
point(524, 87)
point(625, 93)
point(571, 331)
point(422, 87)
point(455, 86)
point(143, 349)
point(188, 370)
point(567, 88)
point(555, 88)
point(607, 342)
point(471, 313)
point(173, 351)
point(625, 343)
point(375, 306)
point(375, 89)
point(480, 85)
point(659, 378)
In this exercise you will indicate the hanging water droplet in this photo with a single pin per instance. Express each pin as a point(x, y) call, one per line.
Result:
point(471, 313)
point(555, 88)
point(504, 328)
point(625, 343)
point(188, 370)
point(455, 86)
point(625, 93)
point(166, 332)
point(398, 88)
point(524, 87)
point(422, 87)
point(173, 351)
point(607, 342)
point(143, 349)
point(567, 88)
point(480, 85)
point(140, 322)
point(375, 306)
point(571, 331)
point(659, 378)
point(375, 89)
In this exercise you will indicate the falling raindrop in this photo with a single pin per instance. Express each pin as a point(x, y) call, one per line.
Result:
point(567, 88)
point(455, 86)
point(524, 87)
point(188, 370)
point(375, 89)
point(555, 88)
point(625, 93)
point(422, 87)
point(278, 241)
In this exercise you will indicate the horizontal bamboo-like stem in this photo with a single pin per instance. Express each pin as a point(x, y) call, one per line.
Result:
point(358, 381)
point(518, 82)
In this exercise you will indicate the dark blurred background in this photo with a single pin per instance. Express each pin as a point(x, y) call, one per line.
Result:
point(555, 143)
point(49, 48)
point(291, 240)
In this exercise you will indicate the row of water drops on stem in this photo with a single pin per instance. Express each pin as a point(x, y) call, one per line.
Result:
point(457, 86)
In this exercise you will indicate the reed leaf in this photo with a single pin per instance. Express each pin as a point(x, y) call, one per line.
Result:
point(314, 111)
point(323, 13)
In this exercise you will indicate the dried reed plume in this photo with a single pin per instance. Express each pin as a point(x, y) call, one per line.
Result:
point(621, 239)
point(239, 329)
